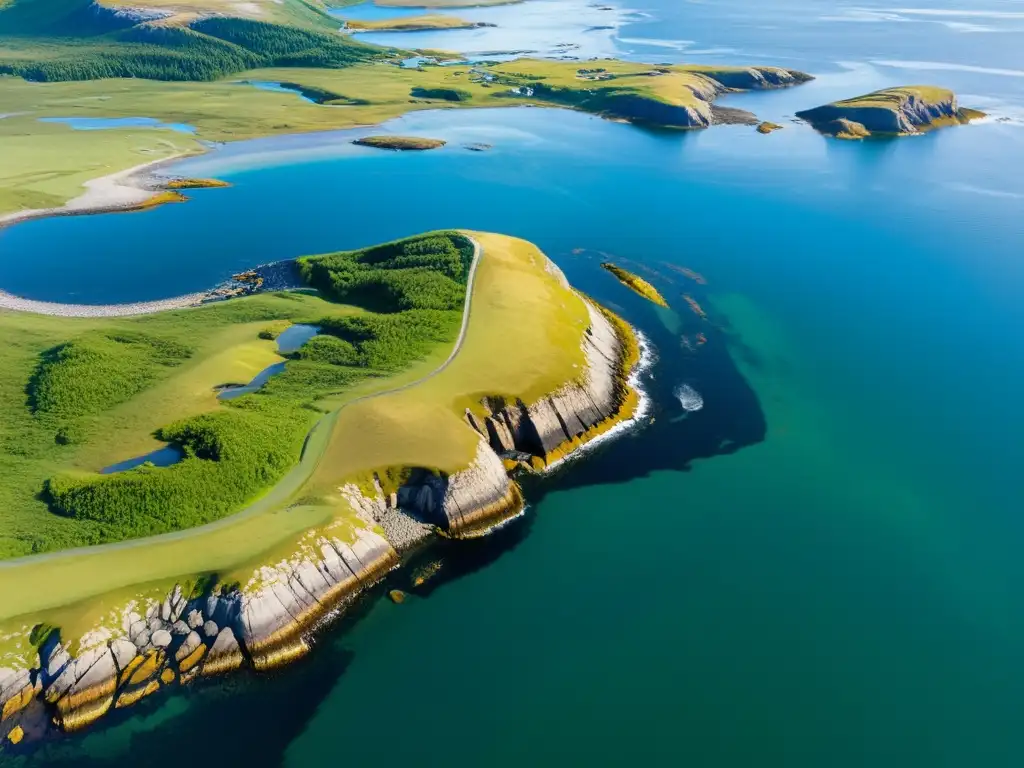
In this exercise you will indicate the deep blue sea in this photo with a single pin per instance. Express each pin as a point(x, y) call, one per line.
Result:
point(822, 567)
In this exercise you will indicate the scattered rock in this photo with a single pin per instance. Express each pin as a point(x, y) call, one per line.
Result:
point(180, 628)
point(210, 629)
point(161, 638)
point(192, 642)
point(195, 619)
point(397, 596)
point(123, 651)
point(767, 127)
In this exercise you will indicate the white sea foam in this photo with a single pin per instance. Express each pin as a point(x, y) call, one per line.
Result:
point(689, 397)
point(647, 359)
point(654, 42)
point(955, 12)
point(945, 66)
point(971, 189)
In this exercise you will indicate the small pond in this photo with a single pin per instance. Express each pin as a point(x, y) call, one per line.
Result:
point(269, 85)
point(294, 336)
point(289, 341)
point(161, 457)
point(108, 123)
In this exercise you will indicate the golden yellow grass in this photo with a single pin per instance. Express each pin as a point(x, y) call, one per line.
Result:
point(524, 340)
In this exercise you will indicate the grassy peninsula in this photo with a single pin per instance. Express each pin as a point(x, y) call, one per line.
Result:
point(404, 331)
point(636, 283)
point(902, 111)
point(400, 143)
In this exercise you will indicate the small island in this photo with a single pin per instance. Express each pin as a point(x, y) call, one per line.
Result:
point(399, 143)
point(903, 111)
point(767, 127)
point(636, 283)
point(413, 24)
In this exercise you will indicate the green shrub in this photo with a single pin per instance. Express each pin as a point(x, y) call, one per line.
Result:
point(97, 372)
point(445, 94)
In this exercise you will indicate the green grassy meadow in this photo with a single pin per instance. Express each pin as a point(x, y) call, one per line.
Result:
point(80, 394)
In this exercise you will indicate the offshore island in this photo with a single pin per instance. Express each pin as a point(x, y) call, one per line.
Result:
point(193, 486)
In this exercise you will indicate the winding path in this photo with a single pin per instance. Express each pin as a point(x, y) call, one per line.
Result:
point(312, 452)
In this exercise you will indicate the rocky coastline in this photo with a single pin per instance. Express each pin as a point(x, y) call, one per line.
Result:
point(903, 111)
point(197, 629)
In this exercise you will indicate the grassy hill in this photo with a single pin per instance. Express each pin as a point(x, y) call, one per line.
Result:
point(53, 40)
point(77, 395)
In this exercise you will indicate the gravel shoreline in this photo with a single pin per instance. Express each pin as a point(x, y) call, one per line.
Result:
point(276, 276)
point(120, 191)
point(16, 304)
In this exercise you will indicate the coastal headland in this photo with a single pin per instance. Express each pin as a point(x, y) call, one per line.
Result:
point(904, 111)
point(443, 427)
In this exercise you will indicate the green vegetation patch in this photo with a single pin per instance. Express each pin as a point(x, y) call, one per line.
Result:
point(444, 94)
point(62, 40)
point(99, 371)
point(79, 394)
point(636, 283)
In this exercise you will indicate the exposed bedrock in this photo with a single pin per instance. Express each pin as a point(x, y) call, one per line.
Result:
point(179, 638)
point(549, 426)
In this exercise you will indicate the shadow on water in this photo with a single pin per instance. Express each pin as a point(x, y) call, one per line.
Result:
point(669, 438)
point(241, 719)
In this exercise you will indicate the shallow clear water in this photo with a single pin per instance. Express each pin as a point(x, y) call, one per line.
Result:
point(821, 567)
point(108, 123)
point(267, 85)
point(294, 336)
point(261, 378)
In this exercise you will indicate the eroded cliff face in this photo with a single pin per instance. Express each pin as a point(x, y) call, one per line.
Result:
point(895, 111)
point(697, 92)
point(158, 643)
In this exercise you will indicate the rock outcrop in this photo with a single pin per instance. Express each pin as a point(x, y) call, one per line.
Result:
point(682, 97)
point(557, 424)
point(755, 78)
point(901, 111)
point(182, 637)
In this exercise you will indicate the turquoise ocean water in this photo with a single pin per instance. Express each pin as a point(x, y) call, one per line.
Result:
point(820, 568)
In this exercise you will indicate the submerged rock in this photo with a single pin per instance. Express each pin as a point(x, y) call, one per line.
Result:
point(397, 596)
